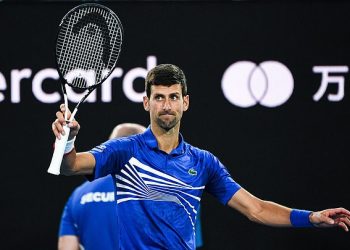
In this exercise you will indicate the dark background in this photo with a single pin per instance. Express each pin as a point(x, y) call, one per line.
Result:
point(295, 154)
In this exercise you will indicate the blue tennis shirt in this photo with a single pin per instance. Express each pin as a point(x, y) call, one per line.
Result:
point(158, 194)
point(91, 211)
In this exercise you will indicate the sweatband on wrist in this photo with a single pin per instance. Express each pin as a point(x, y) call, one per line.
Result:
point(69, 146)
point(300, 218)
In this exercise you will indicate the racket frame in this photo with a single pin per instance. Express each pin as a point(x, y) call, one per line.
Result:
point(60, 144)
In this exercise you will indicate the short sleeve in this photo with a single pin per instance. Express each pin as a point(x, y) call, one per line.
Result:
point(111, 156)
point(67, 224)
point(220, 183)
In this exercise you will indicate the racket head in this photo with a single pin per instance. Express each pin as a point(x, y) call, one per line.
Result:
point(88, 45)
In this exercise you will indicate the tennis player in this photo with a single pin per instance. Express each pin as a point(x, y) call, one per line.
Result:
point(160, 178)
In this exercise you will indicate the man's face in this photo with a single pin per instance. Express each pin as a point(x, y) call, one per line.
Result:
point(166, 105)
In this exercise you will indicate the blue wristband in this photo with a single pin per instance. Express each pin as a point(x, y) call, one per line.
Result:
point(300, 218)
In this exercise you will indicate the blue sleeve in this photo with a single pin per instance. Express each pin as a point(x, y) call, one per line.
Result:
point(111, 156)
point(220, 183)
point(67, 221)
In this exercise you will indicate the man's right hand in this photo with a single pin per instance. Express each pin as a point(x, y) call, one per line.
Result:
point(57, 125)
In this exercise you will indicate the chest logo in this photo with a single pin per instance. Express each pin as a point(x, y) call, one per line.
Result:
point(192, 172)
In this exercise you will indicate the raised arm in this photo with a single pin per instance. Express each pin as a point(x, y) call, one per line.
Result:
point(273, 214)
point(73, 163)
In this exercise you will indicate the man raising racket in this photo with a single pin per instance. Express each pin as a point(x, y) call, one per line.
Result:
point(160, 178)
point(89, 219)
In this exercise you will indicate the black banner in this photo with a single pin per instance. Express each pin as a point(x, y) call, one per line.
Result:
point(269, 95)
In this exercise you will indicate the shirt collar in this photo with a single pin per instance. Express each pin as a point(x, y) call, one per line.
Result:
point(151, 142)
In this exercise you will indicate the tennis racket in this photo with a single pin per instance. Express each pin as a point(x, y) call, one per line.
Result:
point(87, 49)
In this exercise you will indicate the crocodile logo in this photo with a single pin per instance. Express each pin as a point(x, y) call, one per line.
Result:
point(192, 172)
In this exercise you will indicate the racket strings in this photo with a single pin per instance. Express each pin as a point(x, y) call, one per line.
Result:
point(88, 46)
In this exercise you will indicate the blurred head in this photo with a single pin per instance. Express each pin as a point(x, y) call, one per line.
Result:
point(165, 75)
point(126, 129)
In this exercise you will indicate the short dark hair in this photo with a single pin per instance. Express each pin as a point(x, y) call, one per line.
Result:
point(166, 75)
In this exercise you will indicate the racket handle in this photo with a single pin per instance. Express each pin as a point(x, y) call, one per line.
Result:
point(55, 165)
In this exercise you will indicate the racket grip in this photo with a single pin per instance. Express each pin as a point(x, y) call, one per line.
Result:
point(55, 165)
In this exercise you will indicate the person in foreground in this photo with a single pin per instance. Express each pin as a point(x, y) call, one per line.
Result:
point(89, 219)
point(161, 178)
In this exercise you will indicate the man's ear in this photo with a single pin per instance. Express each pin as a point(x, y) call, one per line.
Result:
point(186, 102)
point(146, 103)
